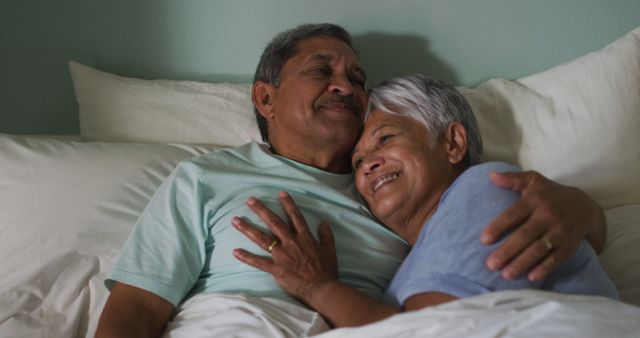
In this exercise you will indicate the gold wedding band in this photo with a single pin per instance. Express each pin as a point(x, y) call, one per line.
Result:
point(273, 245)
point(547, 243)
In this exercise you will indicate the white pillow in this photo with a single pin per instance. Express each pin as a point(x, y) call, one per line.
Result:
point(621, 257)
point(577, 123)
point(123, 109)
point(66, 209)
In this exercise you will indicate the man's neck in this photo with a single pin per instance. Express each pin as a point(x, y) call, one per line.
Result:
point(326, 157)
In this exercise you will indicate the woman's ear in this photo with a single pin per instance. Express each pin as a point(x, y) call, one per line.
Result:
point(262, 96)
point(456, 142)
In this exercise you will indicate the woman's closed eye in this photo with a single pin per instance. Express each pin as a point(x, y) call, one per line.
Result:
point(357, 162)
point(384, 138)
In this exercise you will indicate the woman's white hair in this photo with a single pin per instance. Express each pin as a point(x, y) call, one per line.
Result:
point(434, 103)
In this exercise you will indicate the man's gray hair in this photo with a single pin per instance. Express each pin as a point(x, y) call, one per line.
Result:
point(281, 49)
point(434, 103)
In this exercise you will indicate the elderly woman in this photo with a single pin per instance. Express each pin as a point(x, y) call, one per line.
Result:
point(416, 166)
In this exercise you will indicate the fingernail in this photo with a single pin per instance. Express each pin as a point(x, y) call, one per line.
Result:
point(235, 220)
point(493, 264)
point(508, 274)
point(486, 239)
point(534, 277)
point(283, 194)
point(251, 201)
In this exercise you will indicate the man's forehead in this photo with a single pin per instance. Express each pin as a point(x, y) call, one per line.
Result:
point(327, 47)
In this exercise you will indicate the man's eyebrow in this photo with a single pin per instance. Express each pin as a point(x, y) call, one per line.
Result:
point(328, 58)
point(321, 57)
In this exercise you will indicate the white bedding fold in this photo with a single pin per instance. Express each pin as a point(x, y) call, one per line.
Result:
point(222, 315)
point(528, 313)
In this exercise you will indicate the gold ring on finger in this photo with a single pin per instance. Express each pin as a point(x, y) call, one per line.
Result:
point(273, 245)
point(547, 243)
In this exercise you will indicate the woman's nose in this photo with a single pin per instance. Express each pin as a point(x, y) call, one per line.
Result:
point(371, 164)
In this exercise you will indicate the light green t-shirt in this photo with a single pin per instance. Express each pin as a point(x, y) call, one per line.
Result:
point(182, 243)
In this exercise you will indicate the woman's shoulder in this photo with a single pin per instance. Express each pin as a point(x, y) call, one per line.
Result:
point(483, 169)
point(477, 177)
point(474, 190)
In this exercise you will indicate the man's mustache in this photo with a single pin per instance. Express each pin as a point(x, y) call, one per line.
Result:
point(350, 102)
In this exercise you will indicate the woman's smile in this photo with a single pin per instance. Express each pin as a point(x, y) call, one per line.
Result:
point(383, 180)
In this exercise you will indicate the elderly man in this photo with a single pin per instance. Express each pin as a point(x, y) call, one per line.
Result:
point(309, 96)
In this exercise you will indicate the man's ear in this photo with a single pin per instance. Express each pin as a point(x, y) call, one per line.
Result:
point(262, 96)
point(456, 142)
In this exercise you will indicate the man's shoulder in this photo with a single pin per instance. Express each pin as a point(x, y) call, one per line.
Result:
point(251, 153)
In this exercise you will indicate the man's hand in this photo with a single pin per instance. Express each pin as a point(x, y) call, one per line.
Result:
point(550, 220)
point(299, 263)
point(133, 312)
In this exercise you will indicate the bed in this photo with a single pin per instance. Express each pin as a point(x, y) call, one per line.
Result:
point(67, 203)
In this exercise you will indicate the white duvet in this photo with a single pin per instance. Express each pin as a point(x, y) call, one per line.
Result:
point(529, 313)
point(502, 314)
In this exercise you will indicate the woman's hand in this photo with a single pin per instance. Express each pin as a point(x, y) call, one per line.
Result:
point(299, 263)
point(552, 221)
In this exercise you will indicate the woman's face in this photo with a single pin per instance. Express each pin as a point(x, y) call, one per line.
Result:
point(398, 174)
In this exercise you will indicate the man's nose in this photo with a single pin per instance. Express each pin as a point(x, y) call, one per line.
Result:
point(341, 85)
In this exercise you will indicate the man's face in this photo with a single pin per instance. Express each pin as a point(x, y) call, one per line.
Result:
point(321, 96)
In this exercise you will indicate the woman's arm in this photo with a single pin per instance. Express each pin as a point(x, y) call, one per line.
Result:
point(342, 305)
point(307, 269)
point(552, 221)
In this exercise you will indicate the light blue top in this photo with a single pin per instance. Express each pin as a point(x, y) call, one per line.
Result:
point(182, 243)
point(448, 256)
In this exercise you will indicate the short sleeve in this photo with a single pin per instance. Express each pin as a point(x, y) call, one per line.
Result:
point(449, 256)
point(165, 251)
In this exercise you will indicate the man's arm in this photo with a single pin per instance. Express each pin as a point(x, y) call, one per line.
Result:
point(549, 214)
point(133, 312)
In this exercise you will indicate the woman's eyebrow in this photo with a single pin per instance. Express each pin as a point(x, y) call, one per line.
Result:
point(355, 149)
point(380, 127)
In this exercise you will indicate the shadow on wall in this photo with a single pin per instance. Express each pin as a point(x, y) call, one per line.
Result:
point(385, 55)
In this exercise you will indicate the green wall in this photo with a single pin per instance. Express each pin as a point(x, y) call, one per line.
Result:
point(463, 41)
